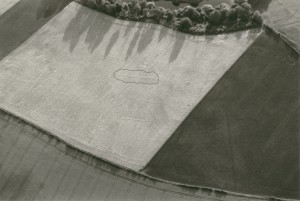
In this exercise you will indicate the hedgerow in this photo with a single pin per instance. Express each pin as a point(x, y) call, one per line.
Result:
point(198, 20)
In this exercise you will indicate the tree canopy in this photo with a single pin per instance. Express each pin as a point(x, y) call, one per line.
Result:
point(206, 19)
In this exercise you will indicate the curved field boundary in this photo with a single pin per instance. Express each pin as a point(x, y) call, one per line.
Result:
point(36, 165)
point(244, 135)
point(283, 16)
point(62, 80)
point(288, 41)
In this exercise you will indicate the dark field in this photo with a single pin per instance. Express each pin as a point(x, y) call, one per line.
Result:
point(36, 166)
point(283, 17)
point(24, 19)
point(244, 135)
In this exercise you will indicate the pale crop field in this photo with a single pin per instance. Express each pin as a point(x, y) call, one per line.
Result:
point(283, 16)
point(7, 4)
point(113, 88)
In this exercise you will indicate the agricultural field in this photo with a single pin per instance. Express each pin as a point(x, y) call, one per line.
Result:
point(244, 135)
point(97, 105)
point(6, 5)
point(120, 92)
point(45, 168)
point(24, 19)
point(282, 16)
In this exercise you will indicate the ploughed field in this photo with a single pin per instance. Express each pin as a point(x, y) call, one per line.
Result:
point(6, 5)
point(23, 19)
point(35, 166)
point(244, 135)
point(283, 16)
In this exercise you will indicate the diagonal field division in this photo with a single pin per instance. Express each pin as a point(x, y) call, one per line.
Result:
point(62, 79)
point(244, 135)
point(283, 16)
point(37, 166)
point(7, 4)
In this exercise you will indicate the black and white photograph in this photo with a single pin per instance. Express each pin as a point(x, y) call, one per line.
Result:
point(149, 100)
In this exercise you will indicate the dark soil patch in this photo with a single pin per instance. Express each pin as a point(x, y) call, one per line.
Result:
point(24, 19)
point(244, 135)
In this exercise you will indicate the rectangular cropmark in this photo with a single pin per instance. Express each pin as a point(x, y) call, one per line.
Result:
point(7, 4)
point(114, 88)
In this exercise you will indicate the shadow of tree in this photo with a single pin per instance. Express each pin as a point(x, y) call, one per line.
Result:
point(238, 34)
point(134, 41)
point(209, 38)
point(146, 38)
point(179, 42)
point(94, 23)
point(112, 41)
point(129, 28)
point(163, 33)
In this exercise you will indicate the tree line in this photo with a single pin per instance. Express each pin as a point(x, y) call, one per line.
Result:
point(199, 20)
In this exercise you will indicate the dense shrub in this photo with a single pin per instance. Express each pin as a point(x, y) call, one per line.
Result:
point(256, 18)
point(184, 24)
point(208, 9)
point(143, 4)
point(224, 9)
point(176, 2)
point(194, 19)
point(198, 29)
point(169, 15)
point(157, 13)
point(194, 4)
point(239, 2)
point(137, 10)
point(191, 13)
point(243, 11)
point(150, 5)
point(215, 17)
point(232, 14)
